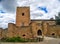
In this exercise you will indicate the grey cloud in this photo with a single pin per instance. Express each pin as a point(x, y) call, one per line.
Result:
point(0, 0)
point(9, 5)
point(35, 15)
point(38, 14)
point(58, 0)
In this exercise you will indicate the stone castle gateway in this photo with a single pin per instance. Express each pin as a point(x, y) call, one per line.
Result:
point(30, 28)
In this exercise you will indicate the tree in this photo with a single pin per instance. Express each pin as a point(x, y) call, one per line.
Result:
point(57, 18)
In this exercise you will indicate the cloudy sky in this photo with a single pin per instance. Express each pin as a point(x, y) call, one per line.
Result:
point(39, 9)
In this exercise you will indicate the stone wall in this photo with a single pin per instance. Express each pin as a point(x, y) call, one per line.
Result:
point(53, 31)
point(1, 33)
point(41, 25)
point(23, 31)
point(4, 33)
point(22, 16)
point(11, 29)
point(31, 31)
point(36, 25)
point(26, 28)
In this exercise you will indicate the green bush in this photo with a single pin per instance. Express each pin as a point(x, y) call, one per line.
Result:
point(14, 39)
point(19, 39)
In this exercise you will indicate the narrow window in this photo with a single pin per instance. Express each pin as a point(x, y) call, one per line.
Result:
point(22, 14)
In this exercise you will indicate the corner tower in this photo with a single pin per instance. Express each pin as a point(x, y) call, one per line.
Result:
point(22, 16)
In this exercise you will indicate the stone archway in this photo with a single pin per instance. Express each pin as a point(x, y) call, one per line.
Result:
point(39, 32)
point(39, 37)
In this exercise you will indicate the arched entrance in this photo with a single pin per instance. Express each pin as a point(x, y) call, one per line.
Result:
point(39, 32)
point(39, 37)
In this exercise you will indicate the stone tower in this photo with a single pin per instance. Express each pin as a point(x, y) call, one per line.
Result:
point(22, 16)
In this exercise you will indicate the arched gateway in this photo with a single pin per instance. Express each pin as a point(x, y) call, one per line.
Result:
point(39, 32)
point(39, 37)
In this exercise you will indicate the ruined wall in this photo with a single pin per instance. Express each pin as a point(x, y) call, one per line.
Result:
point(31, 31)
point(11, 29)
point(25, 32)
point(4, 33)
point(51, 22)
point(44, 26)
point(16, 30)
point(36, 26)
point(53, 31)
point(41, 25)
point(27, 28)
point(1, 33)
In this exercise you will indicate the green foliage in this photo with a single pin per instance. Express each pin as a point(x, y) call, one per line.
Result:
point(57, 18)
point(14, 39)
point(18, 39)
point(58, 22)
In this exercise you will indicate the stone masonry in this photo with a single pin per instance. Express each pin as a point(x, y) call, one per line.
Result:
point(30, 28)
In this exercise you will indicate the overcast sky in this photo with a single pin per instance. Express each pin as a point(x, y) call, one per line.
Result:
point(39, 9)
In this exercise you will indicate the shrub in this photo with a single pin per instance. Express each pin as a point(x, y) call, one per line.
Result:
point(14, 39)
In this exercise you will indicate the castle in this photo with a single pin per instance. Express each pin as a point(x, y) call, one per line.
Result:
point(30, 28)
